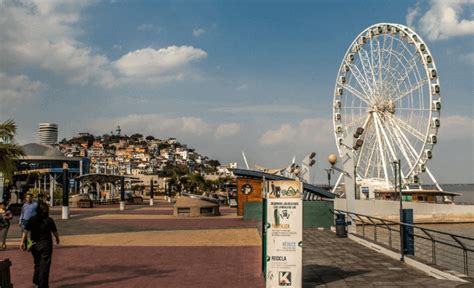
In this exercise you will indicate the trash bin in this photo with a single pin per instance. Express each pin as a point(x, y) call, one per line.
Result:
point(341, 230)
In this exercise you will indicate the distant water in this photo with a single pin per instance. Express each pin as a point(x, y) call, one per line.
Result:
point(467, 191)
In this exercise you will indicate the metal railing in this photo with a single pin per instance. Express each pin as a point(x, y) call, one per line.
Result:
point(446, 250)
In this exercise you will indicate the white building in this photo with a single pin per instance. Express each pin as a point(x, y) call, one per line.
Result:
point(48, 133)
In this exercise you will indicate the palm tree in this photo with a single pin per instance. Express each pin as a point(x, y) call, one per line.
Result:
point(9, 150)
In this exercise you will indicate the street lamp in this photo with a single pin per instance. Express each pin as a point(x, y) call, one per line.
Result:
point(151, 192)
point(65, 209)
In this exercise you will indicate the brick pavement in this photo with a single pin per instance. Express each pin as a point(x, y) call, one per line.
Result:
point(131, 249)
point(141, 248)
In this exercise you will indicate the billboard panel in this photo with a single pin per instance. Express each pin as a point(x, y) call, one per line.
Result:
point(284, 234)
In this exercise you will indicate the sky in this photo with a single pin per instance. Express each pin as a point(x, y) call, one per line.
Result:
point(221, 76)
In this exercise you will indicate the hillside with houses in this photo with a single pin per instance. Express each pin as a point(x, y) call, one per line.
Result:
point(115, 153)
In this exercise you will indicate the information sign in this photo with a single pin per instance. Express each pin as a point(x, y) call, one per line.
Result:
point(284, 234)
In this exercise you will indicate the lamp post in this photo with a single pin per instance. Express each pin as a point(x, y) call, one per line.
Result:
point(65, 209)
point(398, 176)
point(122, 193)
point(329, 172)
point(151, 192)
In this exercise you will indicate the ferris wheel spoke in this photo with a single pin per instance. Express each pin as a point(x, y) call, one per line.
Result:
point(407, 143)
point(382, 156)
point(380, 61)
point(391, 87)
point(388, 142)
point(409, 128)
point(374, 142)
point(411, 67)
point(361, 80)
point(402, 61)
point(389, 52)
point(365, 62)
point(416, 86)
point(401, 145)
point(369, 67)
point(356, 93)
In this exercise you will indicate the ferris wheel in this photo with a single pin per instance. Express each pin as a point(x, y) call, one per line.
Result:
point(387, 93)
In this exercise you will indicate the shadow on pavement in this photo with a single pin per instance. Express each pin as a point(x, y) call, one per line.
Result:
point(131, 272)
point(320, 274)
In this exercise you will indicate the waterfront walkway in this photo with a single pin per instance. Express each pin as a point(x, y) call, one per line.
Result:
point(148, 247)
point(329, 261)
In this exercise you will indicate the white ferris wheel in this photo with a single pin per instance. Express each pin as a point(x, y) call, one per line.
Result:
point(388, 85)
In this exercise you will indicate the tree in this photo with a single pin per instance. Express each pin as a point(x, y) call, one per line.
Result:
point(149, 138)
point(9, 150)
point(136, 136)
point(214, 163)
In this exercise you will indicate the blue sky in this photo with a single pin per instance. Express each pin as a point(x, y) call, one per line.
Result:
point(223, 76)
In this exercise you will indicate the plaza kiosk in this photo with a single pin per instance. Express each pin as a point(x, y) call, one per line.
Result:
point(250, 188)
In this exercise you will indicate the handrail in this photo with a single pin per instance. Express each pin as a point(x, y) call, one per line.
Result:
point(430, 236)
point(407, 224)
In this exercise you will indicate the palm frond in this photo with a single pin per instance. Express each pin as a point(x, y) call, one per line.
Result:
point(7, 129)
point(10, 151)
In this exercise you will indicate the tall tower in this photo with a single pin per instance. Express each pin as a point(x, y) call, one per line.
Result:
point(48, 133)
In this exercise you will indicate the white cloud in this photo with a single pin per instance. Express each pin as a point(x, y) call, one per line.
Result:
point(44, 34)
point(14, 90)
point(150, 62)
point(145, 27)
point(469, 57)
point(411, 15)
point(456, 127)
point(262, 109)
point(162, 125)
point(310, 131)
point(443, 19)
point(198, 32)
point(242, 87)
point(227, 130)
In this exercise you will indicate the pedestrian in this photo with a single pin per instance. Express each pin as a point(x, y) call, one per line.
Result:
point(27, 211)
point(5, 217)
point(41, 226)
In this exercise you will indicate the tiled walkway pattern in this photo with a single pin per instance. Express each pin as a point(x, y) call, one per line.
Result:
point(147, 247)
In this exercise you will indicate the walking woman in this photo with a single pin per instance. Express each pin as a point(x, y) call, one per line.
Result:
point(5, 217)
point(41, 226)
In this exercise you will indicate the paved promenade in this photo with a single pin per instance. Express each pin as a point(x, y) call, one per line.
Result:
point(329, 261)
point(148, 247)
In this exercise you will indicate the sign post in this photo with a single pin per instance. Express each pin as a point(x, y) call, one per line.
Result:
point(284, 234)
